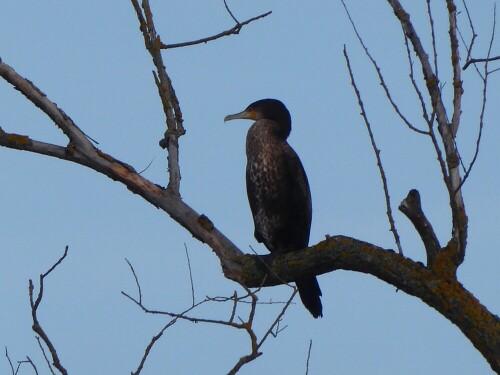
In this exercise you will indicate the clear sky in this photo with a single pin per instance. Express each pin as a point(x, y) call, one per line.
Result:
point(89, 58)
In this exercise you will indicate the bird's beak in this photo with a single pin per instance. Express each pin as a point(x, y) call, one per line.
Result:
point(245, 115)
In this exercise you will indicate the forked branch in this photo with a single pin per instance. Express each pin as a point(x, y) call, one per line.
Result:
point(35, 304)
point(447, 130)
point(232, 31)
point(246, 325)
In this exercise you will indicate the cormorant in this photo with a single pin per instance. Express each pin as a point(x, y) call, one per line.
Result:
point(277, 189)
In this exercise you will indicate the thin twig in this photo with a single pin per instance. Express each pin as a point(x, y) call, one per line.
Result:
point(150, 346)
point(377, 155)
point(10, 362)
point(155, 338)
point(256, 346)
point(136, 280)
point(279, 317)
point(28, 360)
point(246, 325)
point(147, 167)
point(190, 274)
point(232, 31)
point(277, 329)
point(45, 355)
point(380, 76)
point(414, 83)
point(483, 105)
point(474, 35)
point(308, 356)
point(474, 61)
point(231, 13)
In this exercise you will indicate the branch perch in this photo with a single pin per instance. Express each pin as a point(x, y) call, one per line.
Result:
point(440, 291)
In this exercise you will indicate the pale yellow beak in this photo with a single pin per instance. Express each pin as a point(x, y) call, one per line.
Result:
point(247, 114)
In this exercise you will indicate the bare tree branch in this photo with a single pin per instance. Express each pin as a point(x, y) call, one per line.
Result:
point(156, 337)
point(246, 325)
point(171, 107)
point(39, 99)
point(232, 31)
point(30, 362)
point(377, 155)
point(308, 356)
point(230, 13)
point(429, 120)
point(40, 345)
point(455, 63)
point(199, 225)
point(139, 292)
point(447, 131)
point(380, 76)
point(474, 61)
point(37, 328)
point(190, 274)
point(412, 208)
point(151, 344)
point(484, 77)
point(10, 362)
point(474, 35)
point(256, 345)
point(437, 289)
point(433, 36)
point(425, 114)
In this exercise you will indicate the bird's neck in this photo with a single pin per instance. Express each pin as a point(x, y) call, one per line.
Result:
point(264, 141)
point(269, 131)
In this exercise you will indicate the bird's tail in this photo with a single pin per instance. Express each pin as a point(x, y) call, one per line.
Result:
point(310, 294)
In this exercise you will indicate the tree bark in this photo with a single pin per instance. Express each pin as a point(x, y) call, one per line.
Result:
point(433, 286)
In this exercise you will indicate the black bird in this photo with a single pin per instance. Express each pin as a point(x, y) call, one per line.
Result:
point(277, 189)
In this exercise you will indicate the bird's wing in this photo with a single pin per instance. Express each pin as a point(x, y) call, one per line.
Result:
point(300, 197)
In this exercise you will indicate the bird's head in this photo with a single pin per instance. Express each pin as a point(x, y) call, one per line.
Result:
point(266, 109)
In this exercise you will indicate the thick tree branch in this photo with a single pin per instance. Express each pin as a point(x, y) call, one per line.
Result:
point(438, 290)
point(171, 107)
point(166, 199)
point(39, 99)
point(412, 208)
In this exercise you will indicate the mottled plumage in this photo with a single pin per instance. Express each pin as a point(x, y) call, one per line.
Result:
point(277, 189)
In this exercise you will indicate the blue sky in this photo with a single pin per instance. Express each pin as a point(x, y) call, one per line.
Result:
point(89, 58)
